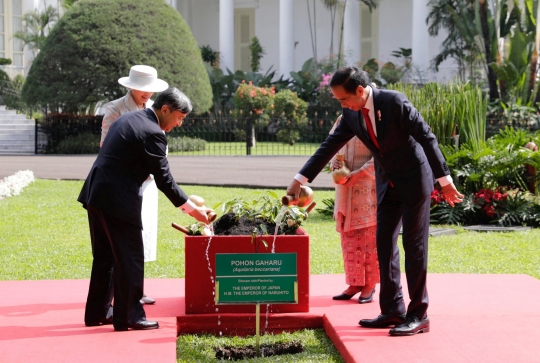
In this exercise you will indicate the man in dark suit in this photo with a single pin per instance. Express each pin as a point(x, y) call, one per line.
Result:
point(135, 147)
point(407, 161)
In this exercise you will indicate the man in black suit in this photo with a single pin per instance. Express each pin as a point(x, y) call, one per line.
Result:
point(407, 158)
point(134, 148)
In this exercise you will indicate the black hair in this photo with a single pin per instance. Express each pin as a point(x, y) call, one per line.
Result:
point(175, 99)
point(350, 78)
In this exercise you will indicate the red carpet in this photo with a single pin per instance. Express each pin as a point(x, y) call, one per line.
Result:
point(474, 318)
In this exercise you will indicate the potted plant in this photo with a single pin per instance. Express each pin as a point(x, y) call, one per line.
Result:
point(245, 227)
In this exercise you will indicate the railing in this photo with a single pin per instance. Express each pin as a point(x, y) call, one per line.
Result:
point(207, 134)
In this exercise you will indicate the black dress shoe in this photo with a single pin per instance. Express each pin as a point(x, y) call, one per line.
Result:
point(343, 297)
point(105, 321)
point(382, 321)
point(140, 325)
point(365, 300)
point(411, 326)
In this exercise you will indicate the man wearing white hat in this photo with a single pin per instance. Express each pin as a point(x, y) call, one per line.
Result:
point(141, 83)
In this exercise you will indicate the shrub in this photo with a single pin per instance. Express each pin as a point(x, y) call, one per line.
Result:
point(79, 144)
point(291, 111)
point(390, 73)
point(255, 102)
point(180, 144)
point(209, 55)
point(488, 206)
point(450, 107)
point(12, 94)
point(257, 52)
point(97, 41)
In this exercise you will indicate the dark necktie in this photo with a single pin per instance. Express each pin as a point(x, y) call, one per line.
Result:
point(369, 127)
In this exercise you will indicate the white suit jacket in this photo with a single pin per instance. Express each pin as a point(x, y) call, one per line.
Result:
point(116, 108)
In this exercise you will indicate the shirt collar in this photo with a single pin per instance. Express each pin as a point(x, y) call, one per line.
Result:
point(369, 102)
point(152, 109)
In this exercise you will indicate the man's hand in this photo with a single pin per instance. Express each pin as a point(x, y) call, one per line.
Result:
point(201, 214)
point(451, 195)
point(294, 189)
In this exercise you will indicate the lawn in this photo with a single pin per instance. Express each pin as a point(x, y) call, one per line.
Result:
point(260, 148)
point(44, 234)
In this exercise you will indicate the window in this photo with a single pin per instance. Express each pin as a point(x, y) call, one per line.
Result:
point(11, 14)
point(369, 33)
point(244, 31)
point(2, 31)
point(17, 26)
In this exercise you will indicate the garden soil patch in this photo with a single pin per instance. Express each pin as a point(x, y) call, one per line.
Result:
point(228, 225)
point(265, 350)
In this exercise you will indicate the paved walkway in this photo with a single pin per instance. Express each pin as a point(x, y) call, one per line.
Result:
point(241, 171)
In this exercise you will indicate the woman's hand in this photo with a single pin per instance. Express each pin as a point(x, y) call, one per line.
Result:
point(353, 177)
point(335, 164)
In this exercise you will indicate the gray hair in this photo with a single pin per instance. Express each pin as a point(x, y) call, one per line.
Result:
point(175, 99)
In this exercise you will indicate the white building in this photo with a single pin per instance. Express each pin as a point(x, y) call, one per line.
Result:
point(11, 13)
point(283, 29)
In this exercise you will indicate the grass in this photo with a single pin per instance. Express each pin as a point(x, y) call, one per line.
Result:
point(318, 347)
point(44, 234)
point(260, 148)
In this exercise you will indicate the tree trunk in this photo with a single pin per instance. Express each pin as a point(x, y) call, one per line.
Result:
point(341, 35)
point(532, 73)
point(492, 77)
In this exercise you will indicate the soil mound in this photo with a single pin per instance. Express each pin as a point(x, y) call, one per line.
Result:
point(265, 350)
point(228, 225)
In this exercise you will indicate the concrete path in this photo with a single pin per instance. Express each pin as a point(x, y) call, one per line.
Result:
point(241, 171)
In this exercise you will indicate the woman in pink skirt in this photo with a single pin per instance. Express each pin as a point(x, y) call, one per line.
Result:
point(355, 212)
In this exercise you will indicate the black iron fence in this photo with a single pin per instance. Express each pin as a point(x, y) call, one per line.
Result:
point(206, 134)
point(210, 134)
point(68, 134)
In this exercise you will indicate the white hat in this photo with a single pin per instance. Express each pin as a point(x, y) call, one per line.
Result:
point(143, 78)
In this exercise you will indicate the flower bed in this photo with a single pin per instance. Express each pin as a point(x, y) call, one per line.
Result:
point(14, 184)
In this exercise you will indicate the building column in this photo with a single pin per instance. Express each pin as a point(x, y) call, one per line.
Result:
point(286, 37)
point(226, 34)
point(351, 32)
point(420, 36)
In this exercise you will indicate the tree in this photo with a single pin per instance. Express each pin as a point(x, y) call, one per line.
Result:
point(66, 4)
point(37, 26)
point(97, 41)
point(443, 15)
point(477, 27)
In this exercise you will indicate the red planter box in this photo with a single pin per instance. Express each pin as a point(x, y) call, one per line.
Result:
point(199, 280)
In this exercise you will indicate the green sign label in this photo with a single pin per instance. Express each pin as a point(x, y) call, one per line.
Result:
point(248, 278)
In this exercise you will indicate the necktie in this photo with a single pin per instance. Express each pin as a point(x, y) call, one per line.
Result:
point(371, 133)
point(369, 127)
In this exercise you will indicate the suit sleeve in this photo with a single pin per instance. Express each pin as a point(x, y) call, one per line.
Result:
point(333, 143)
point(155, 147)
point(414, 125)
